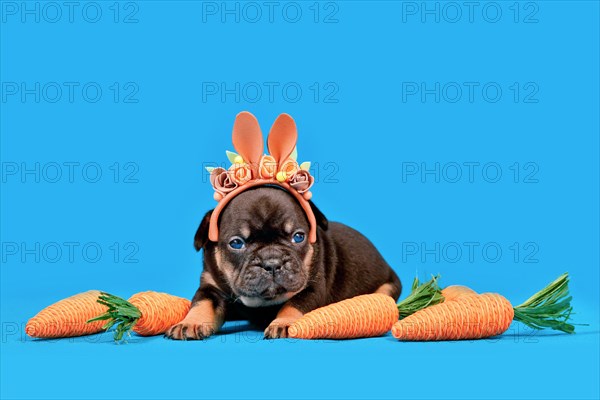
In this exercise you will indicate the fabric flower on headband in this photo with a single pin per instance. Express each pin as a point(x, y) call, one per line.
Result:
point(221, 182)
point(250, 167)
point(302, 180)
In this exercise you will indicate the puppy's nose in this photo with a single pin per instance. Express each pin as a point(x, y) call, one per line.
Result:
point(272, 265)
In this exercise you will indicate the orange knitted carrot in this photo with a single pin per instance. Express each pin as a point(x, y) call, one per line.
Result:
point(476, 316)
point(361, 316)
point(466, 317)
point(67, 317)
point(147, 313)
point(453, 292)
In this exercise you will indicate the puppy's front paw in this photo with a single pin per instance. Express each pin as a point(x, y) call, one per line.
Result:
point(190, 331)
point(279, 328)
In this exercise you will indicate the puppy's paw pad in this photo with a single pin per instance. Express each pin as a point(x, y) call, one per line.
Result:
point(278, 329)
point(190, 331)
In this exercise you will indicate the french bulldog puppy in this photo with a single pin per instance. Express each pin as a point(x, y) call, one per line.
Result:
point(263, 268)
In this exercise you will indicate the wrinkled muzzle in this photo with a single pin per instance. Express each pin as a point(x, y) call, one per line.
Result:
point(271, 271)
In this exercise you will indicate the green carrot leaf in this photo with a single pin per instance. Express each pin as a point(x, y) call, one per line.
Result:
point(120, 312)
point(421, 296)
point(548, 308)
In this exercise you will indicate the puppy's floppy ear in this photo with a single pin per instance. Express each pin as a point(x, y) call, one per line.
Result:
point(201, 236)
point(319, 216)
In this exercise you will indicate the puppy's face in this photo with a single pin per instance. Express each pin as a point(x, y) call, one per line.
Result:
point(263, 249)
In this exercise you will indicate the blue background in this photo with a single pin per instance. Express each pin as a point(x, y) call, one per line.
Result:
point(361, 132)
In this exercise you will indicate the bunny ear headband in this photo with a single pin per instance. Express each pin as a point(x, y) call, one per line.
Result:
point(251, 168)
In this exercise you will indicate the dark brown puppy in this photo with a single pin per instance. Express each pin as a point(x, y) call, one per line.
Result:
point(264, 269)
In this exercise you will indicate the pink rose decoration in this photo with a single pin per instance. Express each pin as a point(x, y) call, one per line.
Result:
point(240, 173)
point(221, 181)
point(302, 181)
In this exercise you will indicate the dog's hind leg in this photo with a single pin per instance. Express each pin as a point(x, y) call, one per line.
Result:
point(392, 288)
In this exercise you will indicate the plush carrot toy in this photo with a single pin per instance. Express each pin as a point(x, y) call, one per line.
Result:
point(363, 316)
point(147, 313)
point(67, 317)
point(476, 316)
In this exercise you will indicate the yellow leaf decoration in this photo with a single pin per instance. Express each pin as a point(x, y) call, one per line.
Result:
point(209, 169)
point(294, 154)
point(231, 156)
point(305, 165)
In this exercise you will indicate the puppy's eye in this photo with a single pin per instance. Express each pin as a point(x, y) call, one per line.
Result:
point(298, 237)
point(236, 243)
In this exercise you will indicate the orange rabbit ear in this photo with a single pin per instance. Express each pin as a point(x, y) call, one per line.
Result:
point(247, 138)
point(282, 138)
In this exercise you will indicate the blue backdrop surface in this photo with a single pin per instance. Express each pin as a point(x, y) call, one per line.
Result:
point(462, 138)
